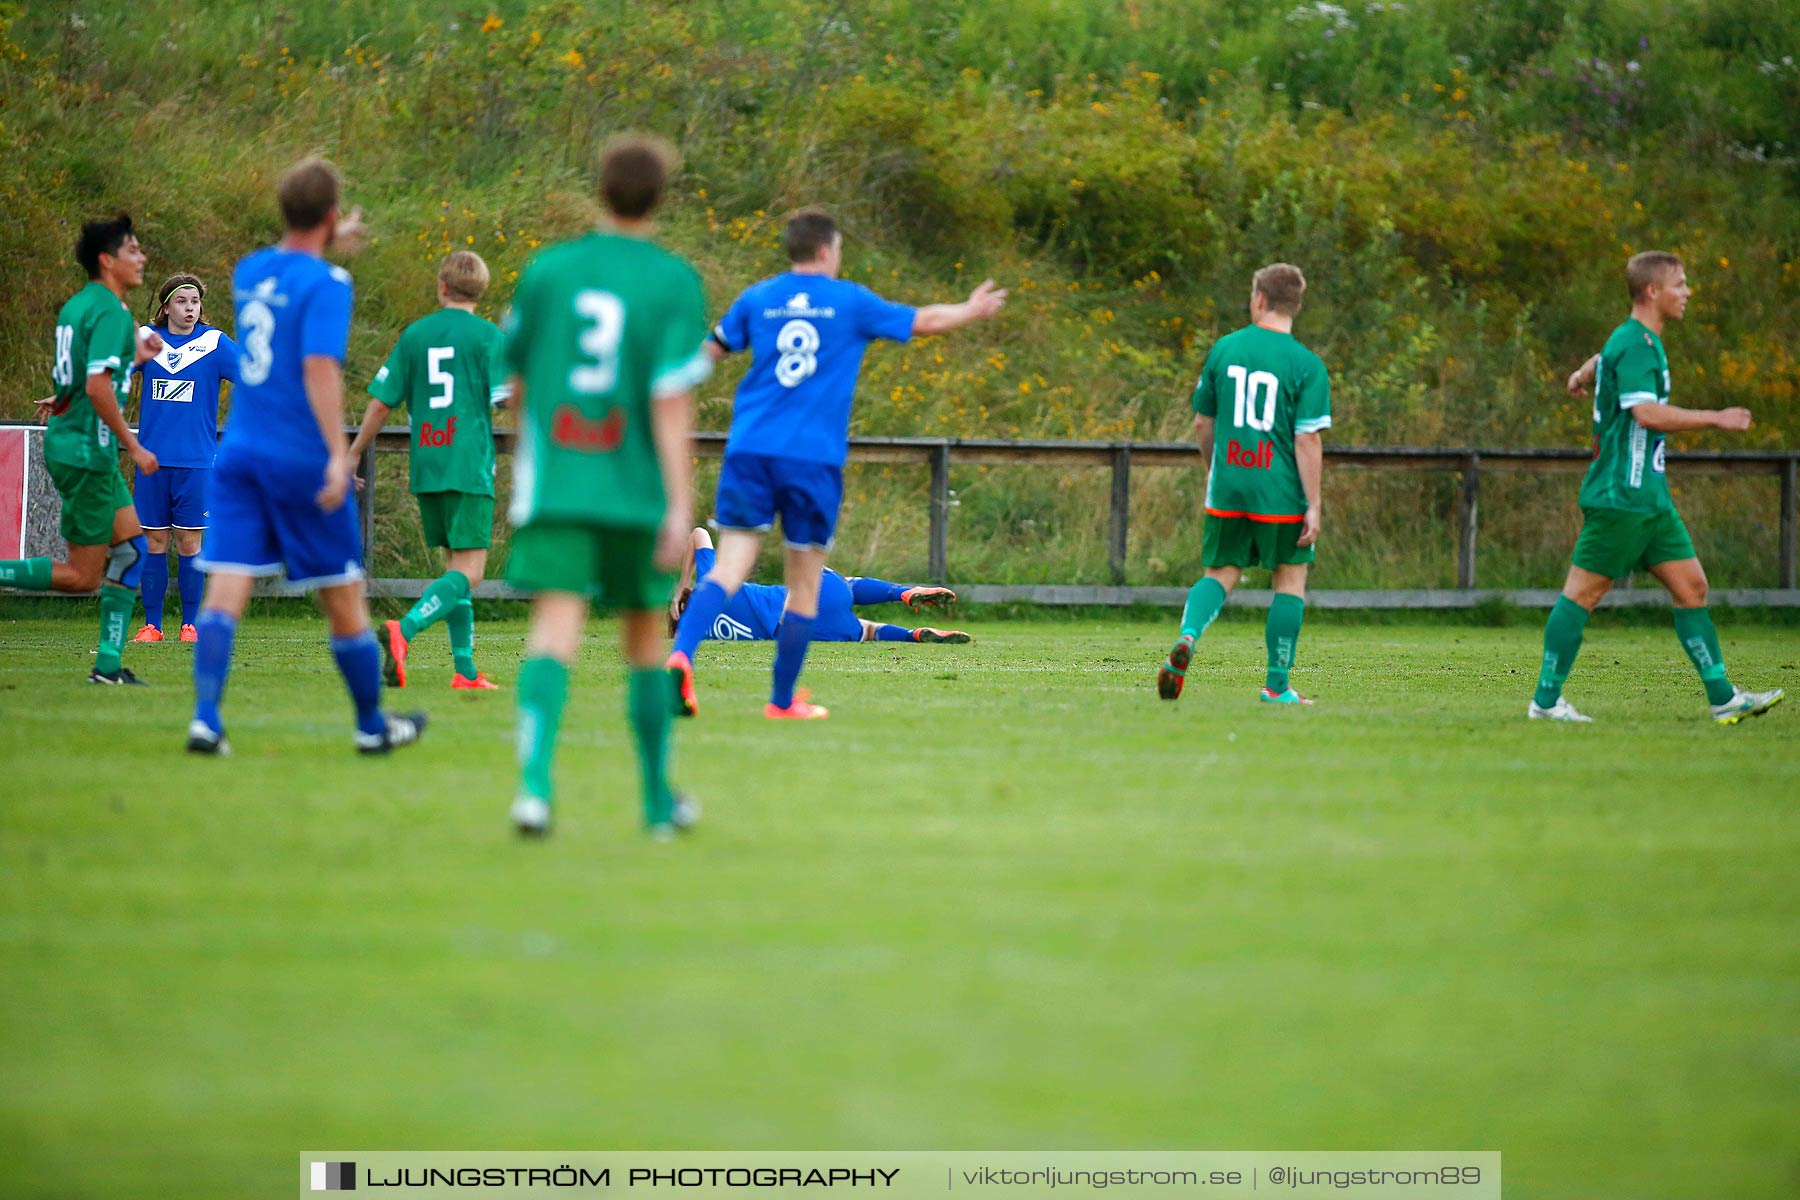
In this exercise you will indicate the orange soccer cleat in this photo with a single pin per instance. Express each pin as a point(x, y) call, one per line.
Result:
point(189, 634)
point(481, 683)
point(802, 709)
point(149, 633)
point(393, 654)
point(681, 672)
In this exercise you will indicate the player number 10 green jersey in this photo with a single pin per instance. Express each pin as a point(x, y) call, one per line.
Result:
point(1261, 387)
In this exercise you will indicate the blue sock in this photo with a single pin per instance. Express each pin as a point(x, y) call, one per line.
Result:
point(893, 633)
point(155, 587)
point(704, 607)
point(191, 581)
point(875, 591)
point(359, 659)
point(212, 663)
point(791, 641)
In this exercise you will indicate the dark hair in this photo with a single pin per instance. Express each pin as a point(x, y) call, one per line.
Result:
point(634, 170)
point(808, 231)
point(1652, 267)
point(681, 605)
point(169, 287)
point(308, 191)
point(101, 237)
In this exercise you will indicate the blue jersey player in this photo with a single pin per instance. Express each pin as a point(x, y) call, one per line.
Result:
point(283, 472)
point(755, 611)
point(178, 419)
point(806, 331)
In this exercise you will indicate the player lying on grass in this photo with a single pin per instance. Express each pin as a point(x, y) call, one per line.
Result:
point(178, 421)
point(96, 347)
point(806, 331)
point(447, 367)
point(1628, 518)
point(1259, 407)
point(755, 612)
point(278, 489)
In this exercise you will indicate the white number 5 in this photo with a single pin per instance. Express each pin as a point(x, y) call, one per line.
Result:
point(435, 358)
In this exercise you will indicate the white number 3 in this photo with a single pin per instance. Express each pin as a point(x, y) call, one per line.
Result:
point(604, 314)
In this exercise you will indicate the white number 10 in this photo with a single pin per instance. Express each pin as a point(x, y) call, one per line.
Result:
point(1249, 383)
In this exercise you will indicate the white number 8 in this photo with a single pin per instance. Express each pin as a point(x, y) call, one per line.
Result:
point(798, 343)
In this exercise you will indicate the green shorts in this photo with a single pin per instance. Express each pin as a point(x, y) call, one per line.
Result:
point(1241, 542)
point(457, 520)
point(89, 500)
point(1614, 543)
point(616, 567)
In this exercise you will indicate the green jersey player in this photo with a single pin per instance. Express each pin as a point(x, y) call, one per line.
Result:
point(447, 367)
point(1629, 521)
point(1259, 407)
point(604, 344)
point(97, 344)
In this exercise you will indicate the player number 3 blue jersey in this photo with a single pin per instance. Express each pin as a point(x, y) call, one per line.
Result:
point(290, 307)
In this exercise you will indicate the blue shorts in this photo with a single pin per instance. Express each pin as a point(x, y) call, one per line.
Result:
point(174, 496)
point(756, 488)
point(837, 620)
point(264, 520)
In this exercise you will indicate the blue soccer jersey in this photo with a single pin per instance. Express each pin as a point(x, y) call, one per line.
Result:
point(754, 613)
point(806, 335)
point(290, 307)
point(178, 410)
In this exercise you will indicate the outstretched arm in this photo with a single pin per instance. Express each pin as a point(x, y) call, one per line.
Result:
point(983, 302)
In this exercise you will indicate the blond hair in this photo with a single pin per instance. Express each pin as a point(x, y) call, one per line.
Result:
point(463, 274)
point(1281, 285)
point(1648, 269)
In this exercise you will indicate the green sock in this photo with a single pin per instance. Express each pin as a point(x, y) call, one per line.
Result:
point(1562, 642)
point(1694, 627)
point(543, 687)
point(460, 622)
point(30, 574)
point(651, 706)
point(435, 604)
point(116, 604)
point(1282, 634)
point(1204, 601)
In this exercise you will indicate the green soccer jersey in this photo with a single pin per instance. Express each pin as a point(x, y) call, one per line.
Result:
point(1627, 472)
point(94, 333)
point(600, 326)
point(448, 368)
point(1261, 388)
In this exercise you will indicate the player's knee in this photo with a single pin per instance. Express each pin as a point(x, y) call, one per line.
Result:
point(125, 562)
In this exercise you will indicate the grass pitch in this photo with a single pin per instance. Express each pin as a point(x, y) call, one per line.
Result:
point(1004, 898)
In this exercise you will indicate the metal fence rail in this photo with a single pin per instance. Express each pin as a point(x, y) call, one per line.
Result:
point(1469, 463)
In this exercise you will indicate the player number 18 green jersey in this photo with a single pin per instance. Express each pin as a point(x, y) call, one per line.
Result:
point(94, 333)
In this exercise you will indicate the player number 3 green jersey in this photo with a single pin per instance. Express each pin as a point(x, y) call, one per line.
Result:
point(598, 327)
point(1261, 387)
point(1627, 472)
point(448, 369)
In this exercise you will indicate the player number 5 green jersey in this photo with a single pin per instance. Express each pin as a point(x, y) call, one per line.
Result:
point(447, 369)
point(1261, 387)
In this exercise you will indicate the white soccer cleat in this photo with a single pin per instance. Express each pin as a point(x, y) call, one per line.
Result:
point(1746, 704)
point(531, 816)
point(1562, 710)
point(203, 739)
point(400, 731)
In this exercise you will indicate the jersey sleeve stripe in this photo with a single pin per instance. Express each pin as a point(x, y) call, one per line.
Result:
point(1312, 425)
point(1632, 399)
point(689, 375)
point(97, 365)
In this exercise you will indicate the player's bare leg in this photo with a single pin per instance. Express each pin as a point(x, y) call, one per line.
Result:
point(1281, 634)
point(805, 567)
point(1582, 591)
point(1204, 601)
point(1686, 582)
point(558, 620)
point(733, 561)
